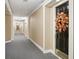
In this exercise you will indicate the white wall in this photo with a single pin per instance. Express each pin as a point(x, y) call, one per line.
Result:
point(26, 31)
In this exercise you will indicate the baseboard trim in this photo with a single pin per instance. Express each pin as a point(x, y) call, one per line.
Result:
point(26, 36)
point(39, 47)
point(50, 51)
point(44, 51)
point(55, 54)
point(8, 41)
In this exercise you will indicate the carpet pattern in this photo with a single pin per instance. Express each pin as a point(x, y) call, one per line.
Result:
point(22, 48)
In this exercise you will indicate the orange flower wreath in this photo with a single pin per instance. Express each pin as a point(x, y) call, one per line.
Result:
point(61, 22)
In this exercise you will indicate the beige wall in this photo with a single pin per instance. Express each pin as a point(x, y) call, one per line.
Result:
point(36, 26)
point(7, 27)
point(8, 24)
point(47, 28)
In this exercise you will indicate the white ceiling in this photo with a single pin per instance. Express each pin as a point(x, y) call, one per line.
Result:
point(24, 7)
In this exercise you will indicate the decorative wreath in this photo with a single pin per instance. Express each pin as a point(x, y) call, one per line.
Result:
point(61, 22)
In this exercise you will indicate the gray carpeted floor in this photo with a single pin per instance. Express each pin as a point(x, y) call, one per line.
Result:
point(22, 48)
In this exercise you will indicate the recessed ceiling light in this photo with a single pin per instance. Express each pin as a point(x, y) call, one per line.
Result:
point(57, 0)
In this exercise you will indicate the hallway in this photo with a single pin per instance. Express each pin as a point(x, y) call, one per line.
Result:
point(23, 48)
point(38, 29)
